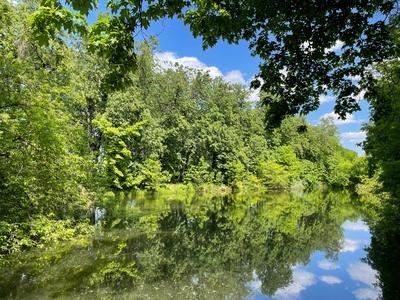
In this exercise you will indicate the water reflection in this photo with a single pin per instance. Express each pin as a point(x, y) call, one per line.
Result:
point(384, 251)
point(256, 247)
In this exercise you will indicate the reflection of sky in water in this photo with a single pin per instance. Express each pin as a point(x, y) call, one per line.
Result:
point(348, 277)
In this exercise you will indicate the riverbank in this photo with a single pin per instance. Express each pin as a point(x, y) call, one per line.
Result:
point(42, 231)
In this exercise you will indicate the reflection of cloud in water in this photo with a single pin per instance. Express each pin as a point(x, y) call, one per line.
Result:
point(362, 272)
point(366, 294)
point(301, 281)
point(355, 226)
point(255, 284)
point(330, 279)
point(350, 245)
point(327, 265)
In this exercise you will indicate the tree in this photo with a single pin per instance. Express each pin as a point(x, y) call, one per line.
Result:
point(383, 135)
point(382, 149)
point(42, 170)
point(295, 41)
point(117, 151)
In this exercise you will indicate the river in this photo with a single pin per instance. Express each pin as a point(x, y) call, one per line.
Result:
point(246, 246)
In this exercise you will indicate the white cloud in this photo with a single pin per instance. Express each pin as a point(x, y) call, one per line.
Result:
point(331, 98)
point(327, 265)
point(301, 281)
point(336, 47)
point(366, 294)
point(354, 137)
point(350, 245)
point(326, 98)
point(330, 279)
point(350, 119)
point(255, 284)
point(355, 226)
point(254, 95)
point(360, 96)
point(235, 76)
point(168, 60)
point(362, 272)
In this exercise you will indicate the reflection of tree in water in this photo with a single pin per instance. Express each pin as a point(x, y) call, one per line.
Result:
point(207, 251)
point(384, 251)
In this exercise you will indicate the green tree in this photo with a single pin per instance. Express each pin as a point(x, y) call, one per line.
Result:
point(41, 169)
point(293, 39)
point(116, 153)
point(382, 149)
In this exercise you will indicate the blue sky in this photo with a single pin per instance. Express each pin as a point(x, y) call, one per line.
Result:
point(235, 64)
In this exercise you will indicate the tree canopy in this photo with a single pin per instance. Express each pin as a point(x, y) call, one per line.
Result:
point(295, 41)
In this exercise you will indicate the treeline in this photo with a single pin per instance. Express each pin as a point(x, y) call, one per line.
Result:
point(180, 126)
point(382, 186)
point(72, 127)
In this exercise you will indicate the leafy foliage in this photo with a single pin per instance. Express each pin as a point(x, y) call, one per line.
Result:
point(116, 154)
point(295, 40)
point(71, 131)
point(383, 137)
point(382, 148)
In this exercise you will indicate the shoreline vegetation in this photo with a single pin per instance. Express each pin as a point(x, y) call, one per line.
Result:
point(46, 231)
point(71, 138)
point(89, 115)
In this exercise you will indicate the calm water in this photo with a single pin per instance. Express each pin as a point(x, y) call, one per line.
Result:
point(192, 247)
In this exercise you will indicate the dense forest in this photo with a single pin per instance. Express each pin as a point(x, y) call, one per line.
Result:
point(69, 135)
point(88, 113)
